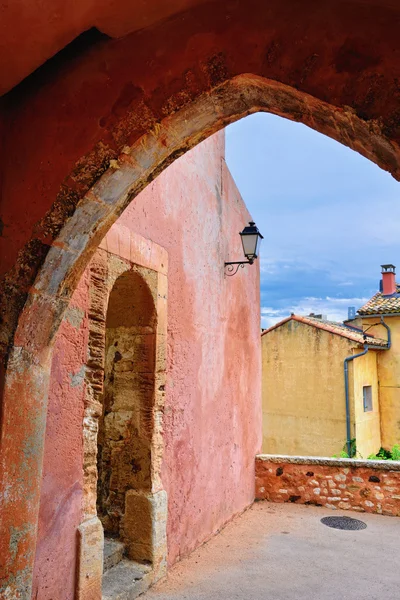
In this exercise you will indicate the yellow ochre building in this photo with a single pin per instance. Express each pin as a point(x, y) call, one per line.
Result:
point(330, 386)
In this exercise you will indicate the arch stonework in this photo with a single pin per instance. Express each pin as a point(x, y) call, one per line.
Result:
point(30, 358)
point(62, 127)
point(334, 70)
point(123, 253)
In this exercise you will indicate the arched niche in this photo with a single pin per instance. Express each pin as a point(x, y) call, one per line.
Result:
point(127, 421)
point(123, 495)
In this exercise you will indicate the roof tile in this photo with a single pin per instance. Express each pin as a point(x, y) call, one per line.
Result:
point(332, 327)
point(380, 304)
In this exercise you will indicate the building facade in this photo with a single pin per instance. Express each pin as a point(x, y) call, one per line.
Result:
point(380, 312)
point(310, 406)
point(150, 437)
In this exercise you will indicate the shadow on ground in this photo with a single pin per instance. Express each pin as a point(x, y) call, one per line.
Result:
point(284, 552)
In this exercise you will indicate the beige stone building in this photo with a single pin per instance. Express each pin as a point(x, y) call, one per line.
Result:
point(304, 402)
point(329, 387)
point(383, 309)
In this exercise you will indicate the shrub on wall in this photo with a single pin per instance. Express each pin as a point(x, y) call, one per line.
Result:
point(393, 454)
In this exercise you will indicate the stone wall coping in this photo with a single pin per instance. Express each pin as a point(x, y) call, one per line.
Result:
point(386, 465)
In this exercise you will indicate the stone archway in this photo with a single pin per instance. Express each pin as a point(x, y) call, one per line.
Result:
point(124, 402)
point(64, 126)
point(189, 119)
point(126, 177)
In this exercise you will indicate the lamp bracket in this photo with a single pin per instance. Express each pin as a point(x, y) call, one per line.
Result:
point(230, 270)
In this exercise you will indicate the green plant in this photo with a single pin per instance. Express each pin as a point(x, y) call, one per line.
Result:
point(345, 454)
point(353, 448)
point(374, 457)
point(383, 454)
point(396, 452)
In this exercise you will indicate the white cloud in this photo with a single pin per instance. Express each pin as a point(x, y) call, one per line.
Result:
point(323, 235)
point(335, 309)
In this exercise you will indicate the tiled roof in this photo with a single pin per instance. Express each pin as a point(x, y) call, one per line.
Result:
point(380, 304)
point(332, 327)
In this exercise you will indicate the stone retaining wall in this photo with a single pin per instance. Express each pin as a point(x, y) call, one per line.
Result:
point(363, 486)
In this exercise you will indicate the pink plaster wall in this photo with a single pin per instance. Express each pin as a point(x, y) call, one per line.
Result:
point(61, 494)
point(213, 416)
point(212, 422)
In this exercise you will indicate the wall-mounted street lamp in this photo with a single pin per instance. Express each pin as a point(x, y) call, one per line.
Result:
point(251, 240)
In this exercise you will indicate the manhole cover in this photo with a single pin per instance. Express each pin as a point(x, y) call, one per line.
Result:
point(344, 523)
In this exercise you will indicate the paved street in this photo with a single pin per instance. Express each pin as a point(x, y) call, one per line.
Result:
point(284, 552)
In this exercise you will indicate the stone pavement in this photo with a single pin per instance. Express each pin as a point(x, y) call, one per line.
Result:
point(284, 552)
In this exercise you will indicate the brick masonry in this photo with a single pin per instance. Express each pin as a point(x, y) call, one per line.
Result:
point(362, 486)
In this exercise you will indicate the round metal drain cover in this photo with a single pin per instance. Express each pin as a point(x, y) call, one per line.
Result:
point(344, 523)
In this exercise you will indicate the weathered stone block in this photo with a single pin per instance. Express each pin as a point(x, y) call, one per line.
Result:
point(144, 527)
point(90, 560)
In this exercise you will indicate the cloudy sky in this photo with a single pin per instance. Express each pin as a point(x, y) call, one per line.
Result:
point(329, 216)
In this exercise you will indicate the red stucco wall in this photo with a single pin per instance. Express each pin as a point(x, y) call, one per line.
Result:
point(212, 421)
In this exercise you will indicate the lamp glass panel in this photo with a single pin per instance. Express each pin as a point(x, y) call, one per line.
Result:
point(249, 244)
point(259, 238)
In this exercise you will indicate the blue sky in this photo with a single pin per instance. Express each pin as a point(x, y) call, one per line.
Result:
point(329, 216)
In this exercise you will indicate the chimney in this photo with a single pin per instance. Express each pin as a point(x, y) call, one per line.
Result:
point(351, 313)
point(388, 280)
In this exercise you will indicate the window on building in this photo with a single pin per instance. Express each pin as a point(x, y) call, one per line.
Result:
point(367, 398)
